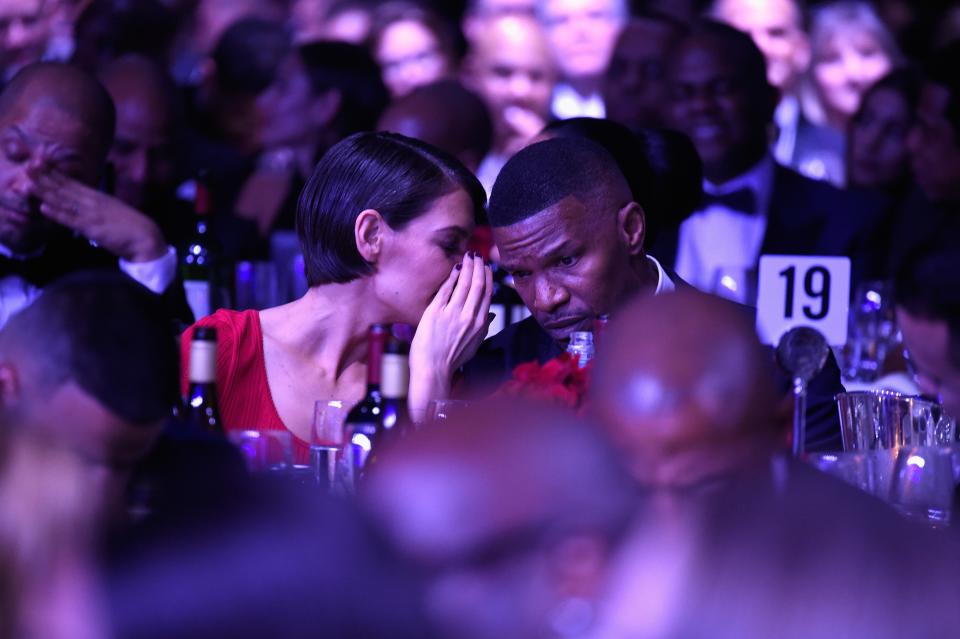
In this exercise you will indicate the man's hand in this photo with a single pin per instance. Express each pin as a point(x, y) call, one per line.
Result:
point(525, 125)
point(101, 218)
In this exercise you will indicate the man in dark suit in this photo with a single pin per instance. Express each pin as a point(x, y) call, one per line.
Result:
point(721, 98)
point(572, 237)
point(56, 127)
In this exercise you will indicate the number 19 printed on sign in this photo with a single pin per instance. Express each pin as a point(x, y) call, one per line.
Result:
point(803, 291)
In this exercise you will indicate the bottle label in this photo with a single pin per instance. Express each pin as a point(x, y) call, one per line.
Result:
point(396, 375)
point(203, 362)
point(198, 297)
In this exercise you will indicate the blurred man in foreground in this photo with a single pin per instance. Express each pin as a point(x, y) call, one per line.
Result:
point(512, 512)
point(92, 367)
point(697, 403)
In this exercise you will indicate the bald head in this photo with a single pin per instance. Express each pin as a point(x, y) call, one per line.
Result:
point(77, 98)
point(506, 466)
point(502, 505)
point(446, 115)
point(685, 387)
point(510, 66)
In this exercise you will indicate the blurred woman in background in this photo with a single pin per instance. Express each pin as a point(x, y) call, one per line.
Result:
point(413, 47)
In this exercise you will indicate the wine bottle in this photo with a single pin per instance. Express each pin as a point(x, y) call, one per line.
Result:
point(201, 407)
point(197, 267)
point(363, 422)
point(396, 383)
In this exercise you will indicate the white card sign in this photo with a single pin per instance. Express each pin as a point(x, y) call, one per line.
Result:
point(799, 290)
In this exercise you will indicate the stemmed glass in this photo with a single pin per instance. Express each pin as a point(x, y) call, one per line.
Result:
point(326, 445)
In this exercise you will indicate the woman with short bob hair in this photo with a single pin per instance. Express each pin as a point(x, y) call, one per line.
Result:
point(383, 223)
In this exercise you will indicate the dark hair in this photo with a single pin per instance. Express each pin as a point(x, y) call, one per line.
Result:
point(661, 166)
point(943, 69)
point(447, 115)
point(350, 70)
point(927, 283)
point(107, 334)
point(737, 44)
point(249, 54)
point(397, 176)
point(544, 173)
point(107, 29)
point(905, 81)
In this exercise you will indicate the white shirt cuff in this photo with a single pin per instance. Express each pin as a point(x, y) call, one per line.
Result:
point(157, 274)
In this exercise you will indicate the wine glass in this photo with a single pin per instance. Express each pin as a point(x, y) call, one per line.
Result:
point(326, 444)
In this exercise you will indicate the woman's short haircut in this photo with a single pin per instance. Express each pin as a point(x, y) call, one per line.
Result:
point(397, 176)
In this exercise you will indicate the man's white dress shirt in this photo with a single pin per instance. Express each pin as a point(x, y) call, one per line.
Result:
point(16, 293)
point(716, 242)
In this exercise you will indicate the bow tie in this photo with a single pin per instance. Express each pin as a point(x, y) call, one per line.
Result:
point(742, 200)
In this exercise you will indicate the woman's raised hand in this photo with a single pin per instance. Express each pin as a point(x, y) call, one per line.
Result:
point(450, 331)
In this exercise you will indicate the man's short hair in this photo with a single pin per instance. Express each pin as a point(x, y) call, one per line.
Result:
point(107, 334)
point(352, 72)
point(736, 44)
point(73, 90)
point(397, 176)
point(544, 173)
point(249, 54)
point(928, 283)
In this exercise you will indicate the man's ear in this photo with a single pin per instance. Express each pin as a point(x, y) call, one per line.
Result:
point(632, 225)
point(368, 233)
point(9, 385)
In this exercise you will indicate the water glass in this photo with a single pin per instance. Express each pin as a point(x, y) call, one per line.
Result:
point(857, 469)
point(264, 450)
point(330, 469)
point(924, 481)
point(871, 332)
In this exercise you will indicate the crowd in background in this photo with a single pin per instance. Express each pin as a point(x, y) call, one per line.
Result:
point(741, 127)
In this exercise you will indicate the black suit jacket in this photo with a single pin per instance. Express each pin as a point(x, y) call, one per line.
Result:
point(66, 253)
point(525, 342)
point(807, 217)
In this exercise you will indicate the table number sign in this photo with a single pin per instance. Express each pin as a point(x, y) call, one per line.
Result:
point(799, 290)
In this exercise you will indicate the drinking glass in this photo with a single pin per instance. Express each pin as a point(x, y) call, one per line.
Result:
point(326, 445)
point(857, 469)
point(923, 485)
point(871, 332)
point(256, 286)
point(440, 410)
point(264, 450)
